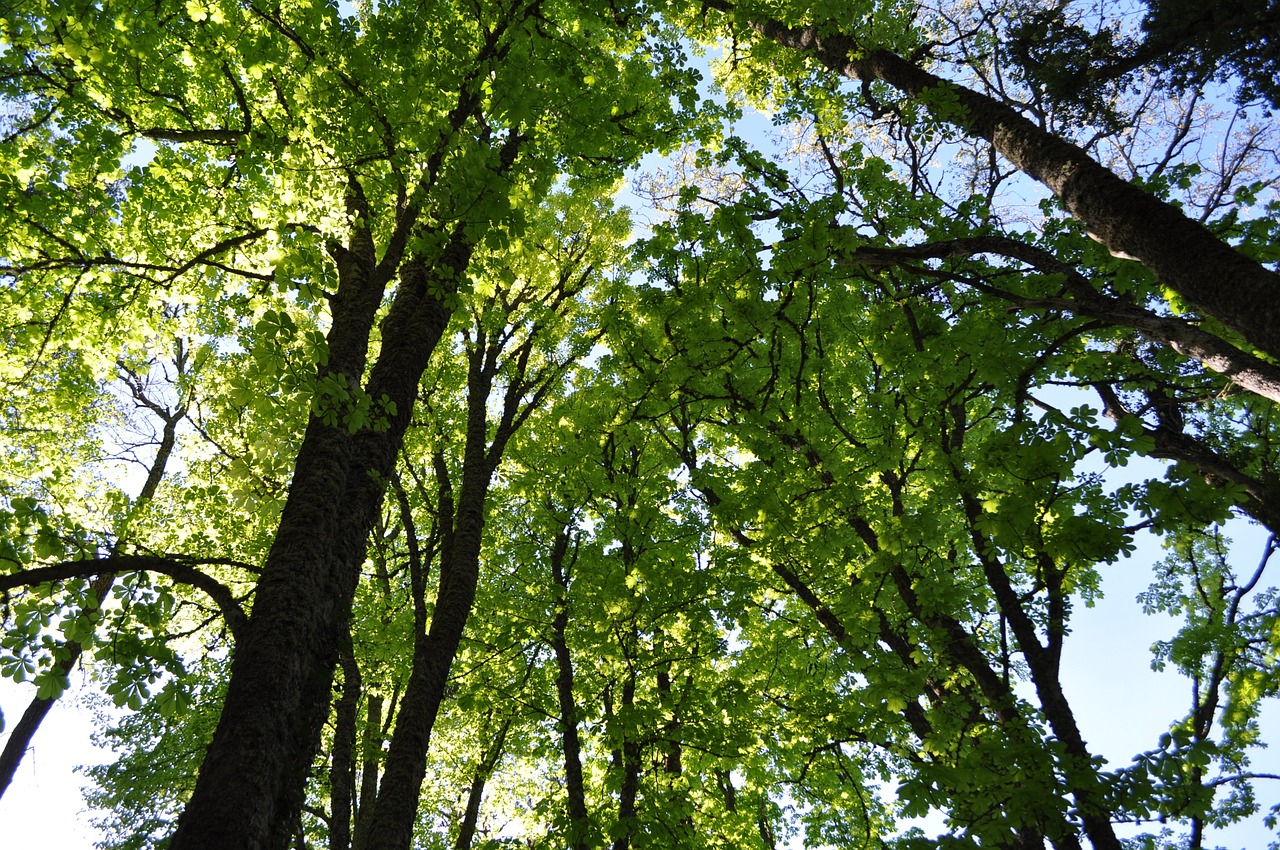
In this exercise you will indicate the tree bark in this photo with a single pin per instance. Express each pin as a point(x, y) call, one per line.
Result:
point(1184, 255)
point(571, 743)
point(372, 750)
point(251, 784)
point(396, 808)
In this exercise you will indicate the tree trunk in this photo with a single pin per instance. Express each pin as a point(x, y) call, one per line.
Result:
point(471, 815)
point(1186, 257)
point(251, 783)
point(571, 742)
point(343, 759)
point(1077, 765)
point(395, 811)
point(488, 761)
point(372, 751)
point(626, 760)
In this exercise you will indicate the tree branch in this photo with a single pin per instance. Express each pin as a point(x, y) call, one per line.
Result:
point(1245, 370)
point(181, 570)
point(1186, 256)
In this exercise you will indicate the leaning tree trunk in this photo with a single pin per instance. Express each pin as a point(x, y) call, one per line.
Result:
point(396, 808)
point(475, 794)
point(1184, 255)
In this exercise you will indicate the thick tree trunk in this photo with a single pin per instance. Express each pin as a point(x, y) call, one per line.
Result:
point(251, 784)
point(1211, 275)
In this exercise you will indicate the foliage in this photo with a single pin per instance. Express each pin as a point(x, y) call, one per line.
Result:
point(758, 518)
point(1186, 44)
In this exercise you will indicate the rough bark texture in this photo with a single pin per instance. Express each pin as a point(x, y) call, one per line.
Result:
point(251, 784)
point(1186, 257)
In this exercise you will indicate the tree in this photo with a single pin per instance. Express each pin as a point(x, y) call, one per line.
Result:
point(69, 654)
point(1190, 44)
point(1186, 256)
point(292, 153)
point(869, 418)
point(767, 525)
